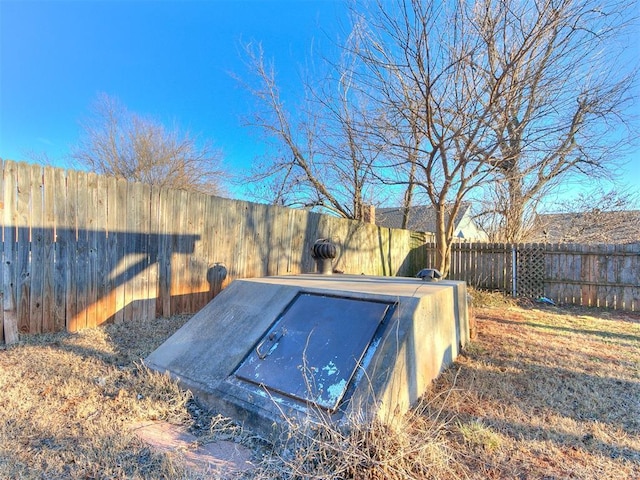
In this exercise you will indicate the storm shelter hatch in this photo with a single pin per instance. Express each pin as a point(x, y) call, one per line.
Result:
point(312, 352)
point(272, 351)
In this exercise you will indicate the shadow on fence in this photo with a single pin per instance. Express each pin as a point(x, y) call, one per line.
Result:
point(85, 278)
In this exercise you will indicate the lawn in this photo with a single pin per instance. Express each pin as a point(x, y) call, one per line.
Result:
point(541, 393)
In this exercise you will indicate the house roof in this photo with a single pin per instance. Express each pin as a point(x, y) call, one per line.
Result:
point(588, 227)
point(422, 218)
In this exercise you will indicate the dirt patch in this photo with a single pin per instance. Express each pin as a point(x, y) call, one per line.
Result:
point(219, 459)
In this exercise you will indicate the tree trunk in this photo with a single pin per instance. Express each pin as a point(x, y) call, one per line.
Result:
point(514, 212)
point(443, 242)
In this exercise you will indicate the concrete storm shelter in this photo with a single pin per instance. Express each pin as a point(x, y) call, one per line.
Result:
point(299, 346)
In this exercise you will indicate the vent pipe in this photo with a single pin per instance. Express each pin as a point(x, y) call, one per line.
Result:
point(324, 251)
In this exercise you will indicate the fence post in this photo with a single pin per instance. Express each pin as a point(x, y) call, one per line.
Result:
point(514, 270)
point(9, 307)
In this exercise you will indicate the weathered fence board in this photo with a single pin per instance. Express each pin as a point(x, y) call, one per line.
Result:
point(82, 276)
point(36, 273)
point(48, 233)
point(62, 254)
point(72, 250)
point(100, 271)
point(153, 268)
point(23, 251)
point(119, 269)
point(133, 248)
point(164, 256)
point(2, 288)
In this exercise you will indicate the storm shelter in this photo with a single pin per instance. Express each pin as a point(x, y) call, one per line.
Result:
point(295, 347)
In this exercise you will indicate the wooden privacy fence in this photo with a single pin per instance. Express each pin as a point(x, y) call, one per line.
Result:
point(588, 275)
point(80, 249)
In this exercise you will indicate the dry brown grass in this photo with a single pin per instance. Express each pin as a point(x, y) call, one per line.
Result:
point(547, 393)
point(66, 402)
point(542, 393)
point(415, 447)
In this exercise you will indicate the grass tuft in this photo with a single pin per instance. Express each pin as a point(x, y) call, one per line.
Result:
point(479, 435)
point(485, 299)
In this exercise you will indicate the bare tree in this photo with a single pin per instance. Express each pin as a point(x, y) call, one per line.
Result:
point(561, 97)
point(511, 91)
point(126, 145)
point(416, 57)
point(495, 214)
point(459, 96)
point(323, 160)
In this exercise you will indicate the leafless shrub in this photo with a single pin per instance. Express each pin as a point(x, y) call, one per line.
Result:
point(126, 145)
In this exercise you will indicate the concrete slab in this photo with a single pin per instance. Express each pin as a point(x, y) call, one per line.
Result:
point(220, 459)
point(426, 327)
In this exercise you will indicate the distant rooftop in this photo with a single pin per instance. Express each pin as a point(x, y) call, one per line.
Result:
point(422, 218)
point(588, 227)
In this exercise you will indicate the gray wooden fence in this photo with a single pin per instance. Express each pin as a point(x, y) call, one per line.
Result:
point(78, 249)
point(588, 275)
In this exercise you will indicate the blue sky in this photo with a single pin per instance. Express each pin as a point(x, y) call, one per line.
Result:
point(171, 60)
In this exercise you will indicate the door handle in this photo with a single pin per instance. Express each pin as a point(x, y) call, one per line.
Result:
point(271, 341)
